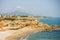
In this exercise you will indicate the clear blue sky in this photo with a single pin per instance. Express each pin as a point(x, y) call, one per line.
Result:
point(36, 7)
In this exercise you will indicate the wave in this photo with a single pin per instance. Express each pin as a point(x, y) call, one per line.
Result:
point(24, 38)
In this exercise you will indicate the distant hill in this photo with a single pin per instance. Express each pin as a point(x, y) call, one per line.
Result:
point(18, 12)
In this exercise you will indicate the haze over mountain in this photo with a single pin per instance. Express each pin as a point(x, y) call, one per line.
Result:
point(35, 7)
point(19, 12)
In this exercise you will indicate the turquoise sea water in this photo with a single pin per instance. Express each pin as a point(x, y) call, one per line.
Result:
point(50, 21)
point(54, 35)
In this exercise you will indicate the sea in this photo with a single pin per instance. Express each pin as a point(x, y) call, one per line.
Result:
point(53, 35)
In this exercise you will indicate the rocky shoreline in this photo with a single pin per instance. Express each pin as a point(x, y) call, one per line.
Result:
point(22, 26)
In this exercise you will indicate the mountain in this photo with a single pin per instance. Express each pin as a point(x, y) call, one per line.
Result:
point(21, 13)
point(18, 12)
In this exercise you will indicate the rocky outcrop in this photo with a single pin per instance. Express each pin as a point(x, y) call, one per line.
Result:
point(23, 26)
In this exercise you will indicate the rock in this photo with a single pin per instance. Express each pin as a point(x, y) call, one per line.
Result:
point(22, 26)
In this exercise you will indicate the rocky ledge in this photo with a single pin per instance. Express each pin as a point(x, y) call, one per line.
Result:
point(22, 26)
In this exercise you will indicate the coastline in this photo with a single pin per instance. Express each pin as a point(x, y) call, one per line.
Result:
point(23, 26)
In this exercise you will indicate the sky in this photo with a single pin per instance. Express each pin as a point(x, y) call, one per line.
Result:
point(35, 7)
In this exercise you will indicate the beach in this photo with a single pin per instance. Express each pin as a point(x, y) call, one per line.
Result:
point(18, 28)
